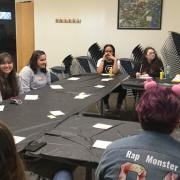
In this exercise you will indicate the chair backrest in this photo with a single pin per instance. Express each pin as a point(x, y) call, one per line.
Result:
point(67, 63)
point(85, 64)
point(176, 40)
point(54, 77)
point(171, 53)
point(137, 53)
point(127, 65)
point(95, 53)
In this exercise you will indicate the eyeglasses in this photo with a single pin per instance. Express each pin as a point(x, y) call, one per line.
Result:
point(108, 51)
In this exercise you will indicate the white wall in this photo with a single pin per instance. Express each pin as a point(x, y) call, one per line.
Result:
point(99, 24)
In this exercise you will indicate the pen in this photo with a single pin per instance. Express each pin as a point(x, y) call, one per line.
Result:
point(140, 68)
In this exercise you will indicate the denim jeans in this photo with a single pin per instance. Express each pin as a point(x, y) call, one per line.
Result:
point(63, 175)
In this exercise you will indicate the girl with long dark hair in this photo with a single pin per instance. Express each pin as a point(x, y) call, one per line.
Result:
point(35, 75)
point(10, 84)
point(151, 64)
point(11, 166)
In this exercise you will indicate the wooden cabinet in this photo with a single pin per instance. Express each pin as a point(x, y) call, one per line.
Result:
point(24, 32)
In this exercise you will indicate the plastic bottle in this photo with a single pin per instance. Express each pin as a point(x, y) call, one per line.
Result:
point(168, 68)
point(161, 77)
point(110, 71)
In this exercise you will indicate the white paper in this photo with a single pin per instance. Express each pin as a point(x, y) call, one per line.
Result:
point(1, 107)
point(143, 77)
point(101, 144)
point(56, 86)
point(176, 78)
point(31, 97)
point(104, 74)
point(56, 113)
point(99, 86)
point(18, 139)
point(51, 116)
point(82, 96)
point(102, 126)
point(106, 79)
point(73, 78)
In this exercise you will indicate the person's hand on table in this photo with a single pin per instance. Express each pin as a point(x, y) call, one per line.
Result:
point(138, 74)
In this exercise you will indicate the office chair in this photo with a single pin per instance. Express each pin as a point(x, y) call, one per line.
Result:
point(54, 77)
point(85, 64)
point(95, 52)
point(127, 65)
point(137, 53)
point(171, 53)
point(67, 62)
point(88, 63)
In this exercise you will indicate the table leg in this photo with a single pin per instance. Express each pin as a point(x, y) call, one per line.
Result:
point(88, 173)
point(101, 107)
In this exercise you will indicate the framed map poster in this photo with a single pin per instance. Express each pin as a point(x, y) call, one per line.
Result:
point(139, 14)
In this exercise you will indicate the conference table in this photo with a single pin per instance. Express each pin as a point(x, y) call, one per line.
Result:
point(70, 137)
point(138, 84)
point(82, 140)
point(78, 134)
point(72, 141)
point(32, 118)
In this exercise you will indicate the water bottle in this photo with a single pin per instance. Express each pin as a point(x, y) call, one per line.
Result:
point(161, 75)
point(110, 72)
point(1, 98)
point(168, 72)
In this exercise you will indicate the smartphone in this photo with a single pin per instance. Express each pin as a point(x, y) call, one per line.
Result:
point(131, 175)
point(34, 146)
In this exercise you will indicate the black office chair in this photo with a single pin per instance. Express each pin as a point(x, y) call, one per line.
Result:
point(54, 77)
point(95, 52)
point(127, 65)
point(64, 69)
point(85, 65)
point(171, 53)
point(137, 53)
point(67, 63)
point(88, 64)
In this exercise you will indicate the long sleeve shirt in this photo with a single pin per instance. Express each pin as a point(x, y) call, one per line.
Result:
point(31, 81)
point(152, 69)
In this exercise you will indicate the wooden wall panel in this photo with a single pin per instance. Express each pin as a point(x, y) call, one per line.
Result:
point(24, 32)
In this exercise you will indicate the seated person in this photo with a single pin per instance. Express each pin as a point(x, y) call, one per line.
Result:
point(151, 64)
point(104, 65)
point(10, 84)
point(11, 167)
point(35, 75)
point(154, 153)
